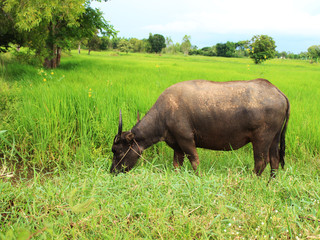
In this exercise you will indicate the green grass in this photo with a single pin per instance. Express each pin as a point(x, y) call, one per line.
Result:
point(56, 135)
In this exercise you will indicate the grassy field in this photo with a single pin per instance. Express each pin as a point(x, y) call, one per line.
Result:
point(57, 128)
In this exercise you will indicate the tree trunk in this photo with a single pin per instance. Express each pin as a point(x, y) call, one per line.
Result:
point(50, 62)
point(53, 61)
point(58, 56)
point(79, 48)
point(89, 51)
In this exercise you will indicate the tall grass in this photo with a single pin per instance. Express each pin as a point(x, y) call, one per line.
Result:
point(75, 110)
point(65, 125)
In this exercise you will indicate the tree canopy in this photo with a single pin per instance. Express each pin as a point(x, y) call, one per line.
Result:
point(226, 49)
point(262, 48)
point(186, 44)
point(157, 42)
point(314, 52)
point(49, 26)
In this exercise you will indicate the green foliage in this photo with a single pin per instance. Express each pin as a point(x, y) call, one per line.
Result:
point(226, 49)
point(221, 49)
point(136, 45)
point(241, 48)
point(49, 26)
point(124, 46)
point(94, 43)
point(132, 45)
point(231, 48)
point(157, 42)
point(186, 44)
point(262, 48)
point(89, 23)
point(31, 14)
point(172, 48)
point(8, 33)
point(314, 52)
point(206, 51)
point(115, 42)
point(290, 55)
point(105, 43)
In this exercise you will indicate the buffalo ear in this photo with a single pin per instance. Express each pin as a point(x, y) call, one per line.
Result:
point(130, 137)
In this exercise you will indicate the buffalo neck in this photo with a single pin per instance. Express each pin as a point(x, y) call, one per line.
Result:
point(149, 130)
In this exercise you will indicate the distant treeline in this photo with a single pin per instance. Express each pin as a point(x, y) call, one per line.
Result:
point(166, 45)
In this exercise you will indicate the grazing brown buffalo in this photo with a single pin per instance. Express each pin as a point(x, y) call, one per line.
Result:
point(212, 115)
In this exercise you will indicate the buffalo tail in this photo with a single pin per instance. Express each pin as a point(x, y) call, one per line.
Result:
point(282, 150)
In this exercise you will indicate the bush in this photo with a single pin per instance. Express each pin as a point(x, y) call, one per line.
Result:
point(26, 56)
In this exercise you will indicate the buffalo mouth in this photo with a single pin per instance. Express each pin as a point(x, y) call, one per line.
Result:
point(116, 171)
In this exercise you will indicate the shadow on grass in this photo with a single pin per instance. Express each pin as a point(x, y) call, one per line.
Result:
point(16, 72)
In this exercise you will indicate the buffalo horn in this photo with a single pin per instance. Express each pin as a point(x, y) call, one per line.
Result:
point(120, 123)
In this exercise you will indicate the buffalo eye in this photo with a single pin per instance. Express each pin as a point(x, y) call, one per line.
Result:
point(116, 139)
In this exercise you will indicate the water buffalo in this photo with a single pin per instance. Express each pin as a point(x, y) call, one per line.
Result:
point(212, 115)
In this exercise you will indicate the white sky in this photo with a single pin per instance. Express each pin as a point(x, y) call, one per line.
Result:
point(294, 24)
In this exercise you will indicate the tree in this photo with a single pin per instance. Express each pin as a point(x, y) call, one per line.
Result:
point(208, 51)
point(90, 23)
point(136, 45)
point(157, 42)
point(283, 55)
point(231, 49)
point(125, 46)
point(241, 47)
point(172, 48)
point(93, 43)
point(115, 42)
point(8, 33)
point(50, 26)
point(169, 45)
point(186, 44)
point(314, 52)
point(303, 55)
point(226, 49)
point(221, 49)
point(105, 43)
point(262, 48)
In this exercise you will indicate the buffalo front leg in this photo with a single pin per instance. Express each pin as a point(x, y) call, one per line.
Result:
point(178, 158)
point(194, 160)
point(189, 148)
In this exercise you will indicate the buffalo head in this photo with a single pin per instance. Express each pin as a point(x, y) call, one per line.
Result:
point(126, 150)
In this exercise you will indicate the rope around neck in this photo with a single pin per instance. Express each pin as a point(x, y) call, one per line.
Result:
point(139, 154)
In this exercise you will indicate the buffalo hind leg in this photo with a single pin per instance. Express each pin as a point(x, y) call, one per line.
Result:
point(178, 158)
point(274, 155)
point(261, 157)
